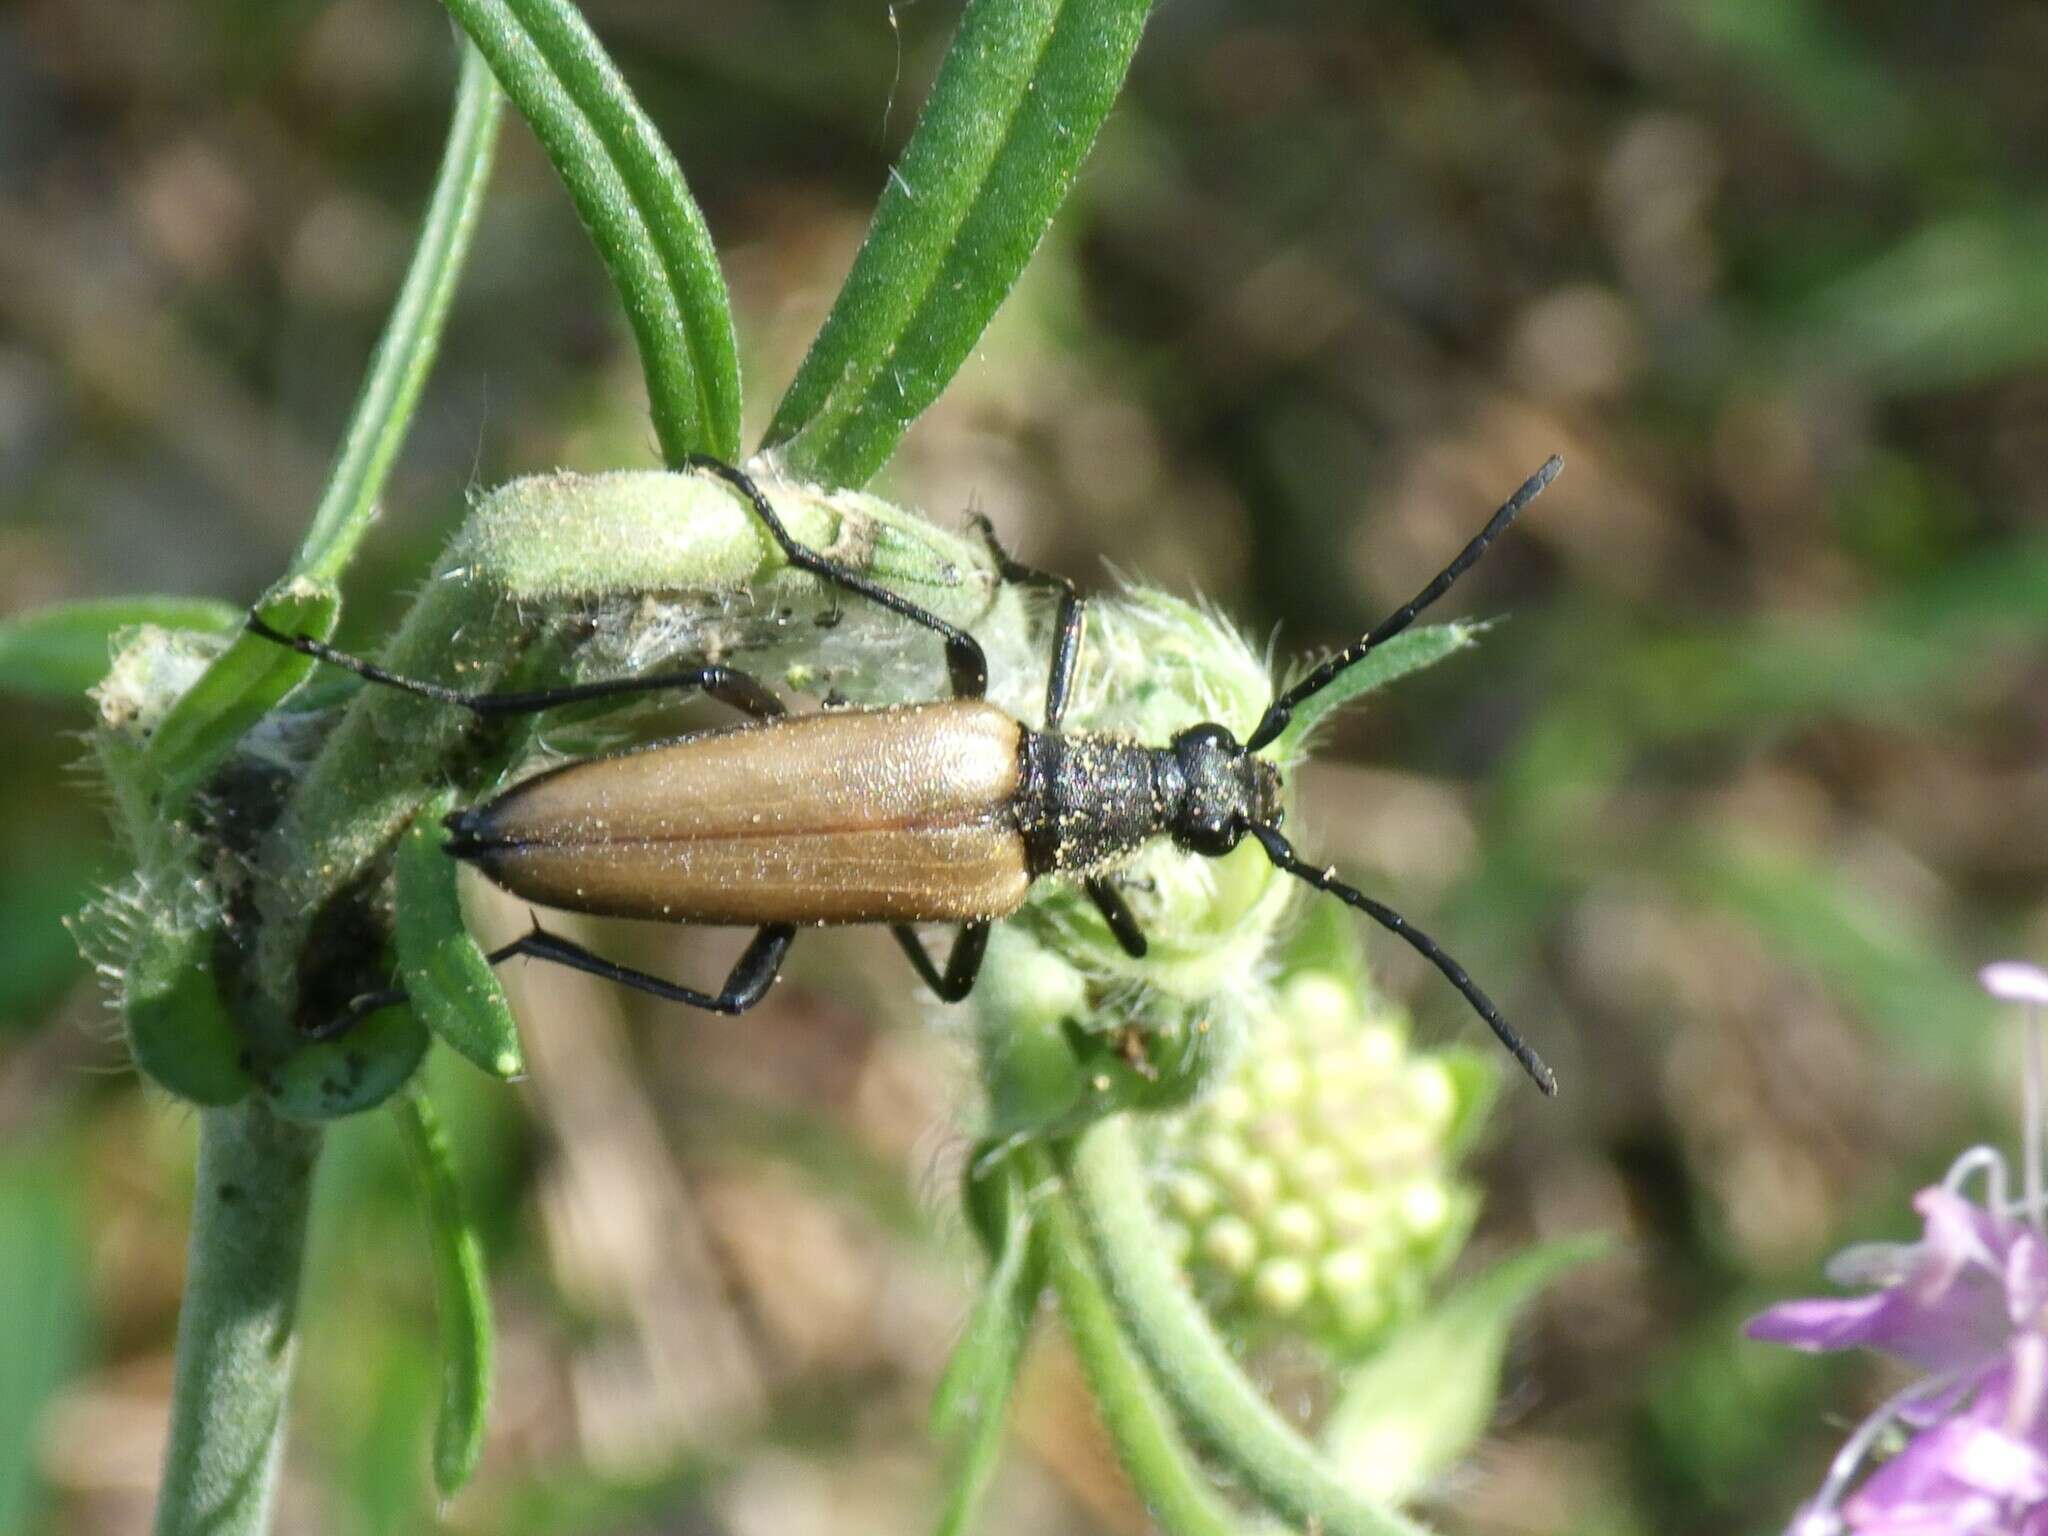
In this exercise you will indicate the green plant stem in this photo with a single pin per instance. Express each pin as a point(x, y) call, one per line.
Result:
point(405, 353)
point(1178, 1494)
point(1102, 1169)
point(236, 1327)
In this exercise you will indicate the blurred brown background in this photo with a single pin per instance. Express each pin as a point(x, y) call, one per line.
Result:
point(1727, 812)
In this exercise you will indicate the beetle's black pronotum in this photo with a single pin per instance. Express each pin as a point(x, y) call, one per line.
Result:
point(938, 812)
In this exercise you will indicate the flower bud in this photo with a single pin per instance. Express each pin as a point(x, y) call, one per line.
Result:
point(1313, 1192)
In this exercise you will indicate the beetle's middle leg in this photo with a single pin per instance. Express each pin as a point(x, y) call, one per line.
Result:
point(966, 665)
point(962, 965)
point(728, 685)
point(1070, 621)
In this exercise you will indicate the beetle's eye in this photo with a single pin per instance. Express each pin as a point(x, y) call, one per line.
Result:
point(1215, 836)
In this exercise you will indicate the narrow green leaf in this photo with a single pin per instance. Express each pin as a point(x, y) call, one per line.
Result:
point(633, 200)
point(1416, 1407)
point(993, 1331)
point(60, 651)
point(244, 684)
point(971, 1403)
point(450, 981)
point(1408, 652)
point(463, 1300)
point(412, 335)
point(252, 675)
point(1025, 86)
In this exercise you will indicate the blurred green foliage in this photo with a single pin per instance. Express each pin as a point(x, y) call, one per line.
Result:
point(1725, 811)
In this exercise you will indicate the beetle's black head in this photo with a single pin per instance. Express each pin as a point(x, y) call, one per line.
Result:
point(1225, 791)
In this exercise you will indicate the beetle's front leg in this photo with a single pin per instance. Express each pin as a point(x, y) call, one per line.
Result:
point(728, 685)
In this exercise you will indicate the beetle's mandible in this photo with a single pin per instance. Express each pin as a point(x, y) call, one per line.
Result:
point(938, 812)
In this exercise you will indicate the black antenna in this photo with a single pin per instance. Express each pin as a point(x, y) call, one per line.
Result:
point(1287, 861)
point(1281, 710)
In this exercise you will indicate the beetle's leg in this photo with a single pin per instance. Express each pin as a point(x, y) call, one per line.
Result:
point(966, 665)
point(365, 1004)
point(725, 684)
point(752, 975)
point(1071, 619)
point(962, 965)
point(1111, 905)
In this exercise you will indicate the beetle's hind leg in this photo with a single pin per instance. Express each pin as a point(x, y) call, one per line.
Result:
point(751, 976)
point(1068, 624)
point(728, 685)
point(962, 965)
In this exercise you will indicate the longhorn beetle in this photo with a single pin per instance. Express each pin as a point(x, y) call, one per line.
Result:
point(919, 813)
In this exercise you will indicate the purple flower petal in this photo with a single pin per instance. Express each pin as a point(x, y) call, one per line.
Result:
point(1947, 1314)
point(1965, 1476)
point(2015, 981)
point(1986, 1459)
point(1917, 1494)
point(1822, 1323)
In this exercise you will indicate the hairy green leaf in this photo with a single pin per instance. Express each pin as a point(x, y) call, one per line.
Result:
point(180, 1032)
